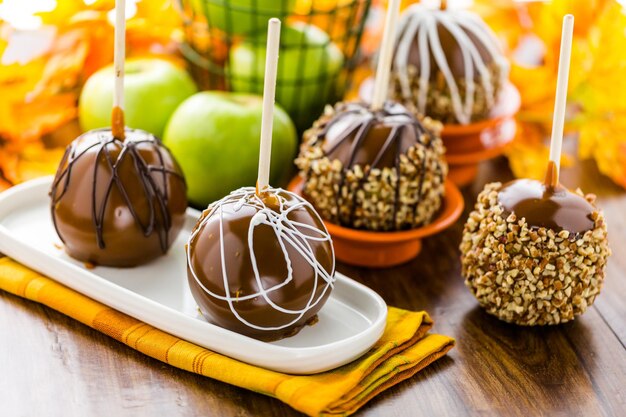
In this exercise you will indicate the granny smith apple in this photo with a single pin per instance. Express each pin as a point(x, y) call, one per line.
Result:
point(215, 138)
point(153, 88)
point(242, 17)
point(308, 69)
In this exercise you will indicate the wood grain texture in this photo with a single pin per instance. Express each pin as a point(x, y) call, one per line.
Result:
point(54, 366)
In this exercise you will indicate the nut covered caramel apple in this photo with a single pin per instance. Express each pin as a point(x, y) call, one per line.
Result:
point(117, 202)
point(373, 169)
point(534, 254)
point(261, 265)
point(448, 64)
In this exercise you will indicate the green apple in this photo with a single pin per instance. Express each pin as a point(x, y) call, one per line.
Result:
point(215, 138)
point(242, 17)
point(308, 67)
point(153, 88)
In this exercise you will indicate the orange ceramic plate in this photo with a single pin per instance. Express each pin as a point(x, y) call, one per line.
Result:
point(507, 130)
point(464, 165)
point(468, 145)
point(508, 104)
point(385, 249)
point(487, 134)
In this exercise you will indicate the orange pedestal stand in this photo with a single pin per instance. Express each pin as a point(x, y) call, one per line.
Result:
point(384, 249)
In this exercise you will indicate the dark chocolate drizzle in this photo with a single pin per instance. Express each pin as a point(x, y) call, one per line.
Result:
point(356, 144)
point(153, 192)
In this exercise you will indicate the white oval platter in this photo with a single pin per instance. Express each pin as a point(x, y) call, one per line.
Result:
point(349, 324)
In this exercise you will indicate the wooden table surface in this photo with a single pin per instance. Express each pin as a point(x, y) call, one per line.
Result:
point(51, 365)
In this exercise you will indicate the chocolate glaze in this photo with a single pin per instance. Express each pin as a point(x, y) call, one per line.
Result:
point(555, 208)
point(117, 203)
point(206, 248)
point(356, 135)
point(452, 52)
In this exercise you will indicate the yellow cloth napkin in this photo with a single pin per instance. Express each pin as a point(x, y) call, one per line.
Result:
point(404, 349)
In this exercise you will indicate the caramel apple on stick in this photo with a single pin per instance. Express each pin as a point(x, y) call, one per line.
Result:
point(118, 197)
point(533, 252)
point(260, 261)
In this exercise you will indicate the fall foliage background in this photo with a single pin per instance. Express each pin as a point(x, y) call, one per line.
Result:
point(48, 48)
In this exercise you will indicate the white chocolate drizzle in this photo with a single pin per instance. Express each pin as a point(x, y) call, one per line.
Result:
point(288, 233)
point(420, 24)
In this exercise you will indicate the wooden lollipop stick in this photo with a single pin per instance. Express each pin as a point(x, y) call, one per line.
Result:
point(117, 117)
point(383, 69)
point(269, 90)
point(560, 103)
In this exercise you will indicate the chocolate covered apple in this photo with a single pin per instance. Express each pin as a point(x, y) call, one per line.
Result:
point(118, 202)
point(373, 169)
point(261, 265)
point(118, 197)
point(447, 63)
point(374, 166)
point(260, 260)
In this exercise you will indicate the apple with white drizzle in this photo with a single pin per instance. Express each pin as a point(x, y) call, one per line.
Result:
point(447, 63)
point(260, 261)
point(261, 266)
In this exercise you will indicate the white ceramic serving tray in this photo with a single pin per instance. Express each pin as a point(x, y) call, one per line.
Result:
point(349, 324)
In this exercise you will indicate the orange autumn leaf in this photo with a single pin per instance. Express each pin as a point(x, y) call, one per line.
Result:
point(63, 69)
point(8, 164)
point(21, 66)
point(17, 80)
point(39, 94)
point(602, 94)
point(41, 79)
point(603, 86)
point(36, 161)
point(529, 152)
point(43, 114)
point(21, 162)
point(605, 141)
point(586, 12)
point(536, 86)
point(510, 20)
point(30, 162)
point(97, 33)
point(155, 23)
point(597, 86)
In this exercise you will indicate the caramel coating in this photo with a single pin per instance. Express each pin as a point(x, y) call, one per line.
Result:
point(531, 274)
point(555, 208)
